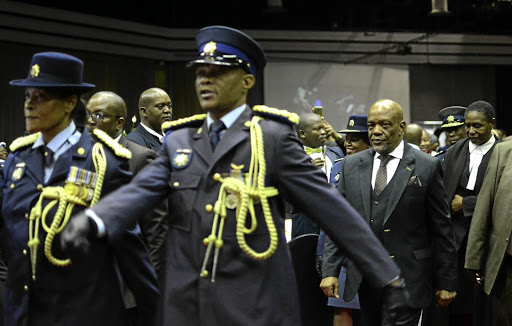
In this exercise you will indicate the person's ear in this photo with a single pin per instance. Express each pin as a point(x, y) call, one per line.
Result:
point(142, 111)
point(71, 103)
point(120, 123)
point(248, 82)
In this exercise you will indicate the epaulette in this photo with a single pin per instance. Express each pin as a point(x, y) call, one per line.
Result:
point(276, 114)
point(118, 149)
point(338, 160)
point(193, 121)
point(23, 141)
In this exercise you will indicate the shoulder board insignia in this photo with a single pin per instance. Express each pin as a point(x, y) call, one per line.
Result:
point(23, 141)
point(118, 149)
point(193, 121)
point(276, 114)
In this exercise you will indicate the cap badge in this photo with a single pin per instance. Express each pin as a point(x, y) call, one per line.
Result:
point(210, 48)
point(351, 122)
point(450, 118)
point(34, 72)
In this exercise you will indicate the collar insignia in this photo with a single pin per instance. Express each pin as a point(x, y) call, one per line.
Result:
point(34, 72)
point(210, 48)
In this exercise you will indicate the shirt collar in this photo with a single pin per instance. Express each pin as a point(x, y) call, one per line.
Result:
point(58, 140)
point(484, 147)
point(117, 138)
point(398, 152)
point(151, 131)
point(228, 119)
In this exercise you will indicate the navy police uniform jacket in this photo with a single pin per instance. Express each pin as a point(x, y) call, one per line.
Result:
point(246, 291)
point(86, 292)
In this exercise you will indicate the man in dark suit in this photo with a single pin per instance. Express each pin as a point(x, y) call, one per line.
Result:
point(399, 192)
point(155, 108)
point(228, 259)
point(464, 168)
point(107, 111)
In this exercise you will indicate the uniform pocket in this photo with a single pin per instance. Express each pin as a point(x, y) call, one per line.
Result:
point(182, 198)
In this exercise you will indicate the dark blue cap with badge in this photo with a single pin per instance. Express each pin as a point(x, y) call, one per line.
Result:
point(356, 123)
point(226, 46)
point(54, 70)
point(452, 116)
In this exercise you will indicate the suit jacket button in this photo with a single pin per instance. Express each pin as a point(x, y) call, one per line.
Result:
point(372, 220)
point(376, 202)
point(25, 288)
point(24, 252)
point(208, 208)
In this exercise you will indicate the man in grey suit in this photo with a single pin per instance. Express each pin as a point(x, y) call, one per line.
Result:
point(489, 250)
point(228, 259)
point(400, 193)
point(107, 111)
point(155, 108)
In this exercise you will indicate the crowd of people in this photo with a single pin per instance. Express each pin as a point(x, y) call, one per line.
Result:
point(182, 222)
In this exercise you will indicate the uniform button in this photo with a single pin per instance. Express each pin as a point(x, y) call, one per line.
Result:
point(387, 230)
point(26, 215)
point(208, 208)
point(216, 177)
point(391, 257)
point(176, 184)
point(376, 202)
point(25, 288)
point(24, 252)
point(372, 220)
point(12, 185)
point(39, 187)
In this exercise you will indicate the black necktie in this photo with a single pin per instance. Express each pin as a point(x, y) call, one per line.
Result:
point(381, 180)
point(48, 156)
point(215, 129)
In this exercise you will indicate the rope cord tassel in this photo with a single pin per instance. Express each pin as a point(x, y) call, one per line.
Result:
point(246, 191)
point(66, 203)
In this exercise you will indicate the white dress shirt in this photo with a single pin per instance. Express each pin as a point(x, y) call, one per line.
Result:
point(392, 165)
point(476, 153)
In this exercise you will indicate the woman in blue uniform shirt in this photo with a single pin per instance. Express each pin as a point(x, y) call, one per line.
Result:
point(53, 172)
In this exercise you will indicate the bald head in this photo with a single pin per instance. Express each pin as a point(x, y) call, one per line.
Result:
point(155, 108)
point(106, 111)
point(413, 134)
point(115, 105)
point(386, 126)
point(311, 130)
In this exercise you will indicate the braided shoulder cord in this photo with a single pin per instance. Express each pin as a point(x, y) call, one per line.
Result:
point(66, 203)
point(246, 191)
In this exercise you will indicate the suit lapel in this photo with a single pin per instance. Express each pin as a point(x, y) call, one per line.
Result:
point(35, 165)
point(400, 179)
point(365, 180)
point(152, 139)
point(457, 170)
point(234, 135)
point(202, 142)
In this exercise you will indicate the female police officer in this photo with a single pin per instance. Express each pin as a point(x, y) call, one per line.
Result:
point(56, 170)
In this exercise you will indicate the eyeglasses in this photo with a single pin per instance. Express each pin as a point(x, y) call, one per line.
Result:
point(100, 116)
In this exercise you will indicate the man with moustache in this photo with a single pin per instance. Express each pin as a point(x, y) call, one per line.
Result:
point(227, 174)
point(399, 192)
point(155, 108)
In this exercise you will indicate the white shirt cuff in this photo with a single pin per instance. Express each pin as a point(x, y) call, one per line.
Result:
point(102, 230)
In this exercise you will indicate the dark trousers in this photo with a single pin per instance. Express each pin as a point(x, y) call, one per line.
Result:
point(370, 300)
point(502, 295)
